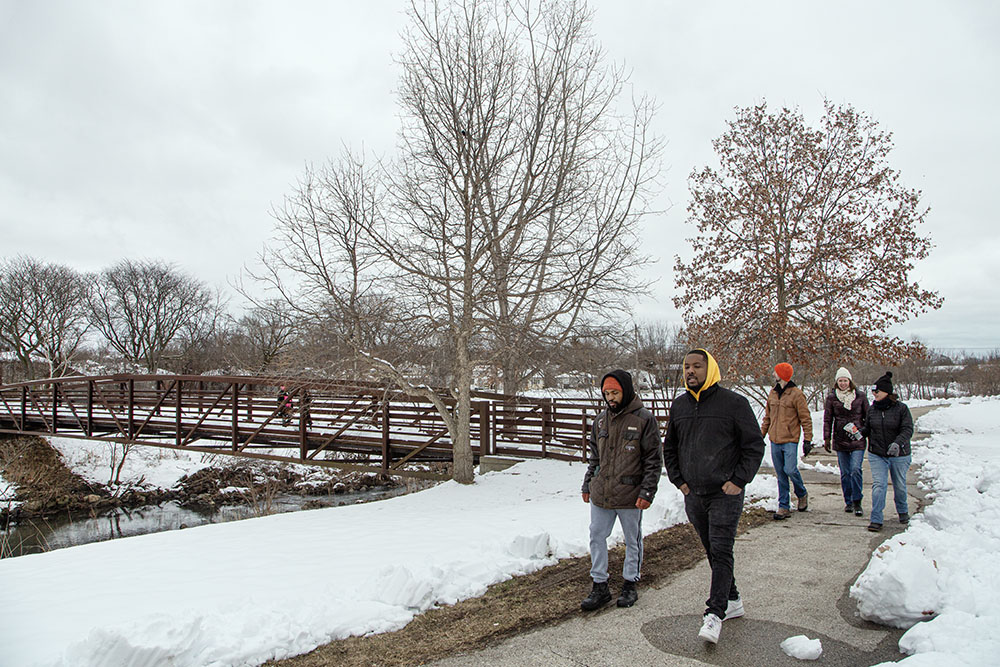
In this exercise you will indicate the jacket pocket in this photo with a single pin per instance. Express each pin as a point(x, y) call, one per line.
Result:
point(630, 480)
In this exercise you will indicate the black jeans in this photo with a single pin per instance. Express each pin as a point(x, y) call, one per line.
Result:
point(715, 517)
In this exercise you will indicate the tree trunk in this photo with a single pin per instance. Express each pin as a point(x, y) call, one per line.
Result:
point(464, 469)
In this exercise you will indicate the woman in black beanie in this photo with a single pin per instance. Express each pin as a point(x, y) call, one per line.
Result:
point(888, 428)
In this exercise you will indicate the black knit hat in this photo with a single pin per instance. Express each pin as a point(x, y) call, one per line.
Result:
point(884, 383)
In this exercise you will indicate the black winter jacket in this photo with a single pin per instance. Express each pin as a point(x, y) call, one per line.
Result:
point(625, 460)
point(888, 421)
point(711, 441)
point(836, 417)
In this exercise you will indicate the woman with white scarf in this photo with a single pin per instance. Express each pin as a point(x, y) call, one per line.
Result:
point(844, 416)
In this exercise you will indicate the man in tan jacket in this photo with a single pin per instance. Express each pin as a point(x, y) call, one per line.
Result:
point(785, 414)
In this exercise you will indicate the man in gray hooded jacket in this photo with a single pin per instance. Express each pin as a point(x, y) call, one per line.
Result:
point(623, 471)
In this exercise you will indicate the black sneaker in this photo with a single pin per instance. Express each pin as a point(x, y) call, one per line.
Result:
point(599, 596)
point(629, 594)
point(849, 507)
point(904, 518)
point(874, 527)
point(857, 509)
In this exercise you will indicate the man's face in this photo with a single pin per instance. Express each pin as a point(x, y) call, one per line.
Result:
point(613, 397)
point(695, 370)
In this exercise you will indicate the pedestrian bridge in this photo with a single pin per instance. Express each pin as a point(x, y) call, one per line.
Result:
point(341, 424)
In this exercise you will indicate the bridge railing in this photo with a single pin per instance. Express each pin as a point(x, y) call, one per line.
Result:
point(322, 422)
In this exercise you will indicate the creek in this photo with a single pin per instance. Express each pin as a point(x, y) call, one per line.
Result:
point(38, 535)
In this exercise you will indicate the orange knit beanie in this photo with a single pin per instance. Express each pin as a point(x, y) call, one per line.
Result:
point(784, 371)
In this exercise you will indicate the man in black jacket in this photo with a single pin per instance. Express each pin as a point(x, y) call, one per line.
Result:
point(623, 470)
point(712, 450)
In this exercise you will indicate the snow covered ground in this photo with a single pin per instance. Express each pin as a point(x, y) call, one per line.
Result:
point(7, 493)
point(243, 592)
point(945, 569)
point(145, 467)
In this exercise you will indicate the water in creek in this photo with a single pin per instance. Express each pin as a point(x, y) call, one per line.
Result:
point(39, 535)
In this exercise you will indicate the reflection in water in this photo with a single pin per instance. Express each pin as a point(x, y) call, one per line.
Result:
point(55, 533)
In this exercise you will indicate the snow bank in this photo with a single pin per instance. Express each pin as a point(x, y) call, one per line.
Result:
point(245, 592)
point(145, 466)
point(945, 568)
point(7, 493)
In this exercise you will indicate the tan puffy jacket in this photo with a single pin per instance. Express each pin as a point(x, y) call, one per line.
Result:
point(785, 415)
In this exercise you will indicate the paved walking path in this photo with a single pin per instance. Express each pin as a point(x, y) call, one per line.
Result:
point(793, 575)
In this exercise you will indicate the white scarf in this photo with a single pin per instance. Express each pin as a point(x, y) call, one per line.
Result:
point(846, 397)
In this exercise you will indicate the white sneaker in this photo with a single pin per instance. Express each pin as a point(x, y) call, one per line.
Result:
point(734, 609)
point(710, 628)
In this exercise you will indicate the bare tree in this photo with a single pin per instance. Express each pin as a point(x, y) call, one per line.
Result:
point(806, 241)
point(981, 374)
point(142, 307)
point(516, 191)
point(42, 313)
point(263, 333)
point(659, 351)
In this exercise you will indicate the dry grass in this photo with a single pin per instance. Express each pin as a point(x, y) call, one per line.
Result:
point(37, 470)
point(547, 597)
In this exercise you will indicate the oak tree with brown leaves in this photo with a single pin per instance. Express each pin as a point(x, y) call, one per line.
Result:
point(806, 243)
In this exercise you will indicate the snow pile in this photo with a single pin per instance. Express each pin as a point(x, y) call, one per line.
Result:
point(945, 569)
point(802, 648)
point(145, 467)
point(249, 591)
point(7, 493)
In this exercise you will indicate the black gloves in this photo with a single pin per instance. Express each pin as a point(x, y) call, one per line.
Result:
point(807, 447)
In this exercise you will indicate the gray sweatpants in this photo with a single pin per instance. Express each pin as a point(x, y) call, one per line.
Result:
point(602, 521)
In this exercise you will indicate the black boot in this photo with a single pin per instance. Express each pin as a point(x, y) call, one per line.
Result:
point(857, 509)
point(629, 594)
point(599, 596)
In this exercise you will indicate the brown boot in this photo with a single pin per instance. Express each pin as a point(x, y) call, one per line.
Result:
point(782, 513)
point(803, 503)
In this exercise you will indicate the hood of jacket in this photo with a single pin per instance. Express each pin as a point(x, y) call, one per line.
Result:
point(625, 380)
point(713, 377)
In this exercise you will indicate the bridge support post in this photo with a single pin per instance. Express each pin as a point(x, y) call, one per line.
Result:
point(386, 453)
point(177, 416)
point(90, 408)
point(55, 405)
point(235, 416)
point(546, 425)
point(303, 408)
point(485, 430)
point(131, 408)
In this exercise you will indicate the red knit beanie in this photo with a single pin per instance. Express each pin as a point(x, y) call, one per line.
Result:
point(784, 371)
point(611, 383)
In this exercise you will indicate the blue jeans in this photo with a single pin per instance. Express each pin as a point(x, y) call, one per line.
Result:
point(882, 468)
point(785, 458)
point(602, 521)
point(850, 475)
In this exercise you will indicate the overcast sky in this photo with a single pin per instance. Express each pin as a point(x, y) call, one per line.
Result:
point(166, 130)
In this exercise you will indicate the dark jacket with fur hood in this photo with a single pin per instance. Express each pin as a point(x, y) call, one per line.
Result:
point(625, 455)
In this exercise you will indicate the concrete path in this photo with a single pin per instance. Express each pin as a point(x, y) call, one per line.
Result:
point(794, 576)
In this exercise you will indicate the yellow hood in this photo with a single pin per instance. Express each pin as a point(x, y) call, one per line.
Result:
point(714, 375)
